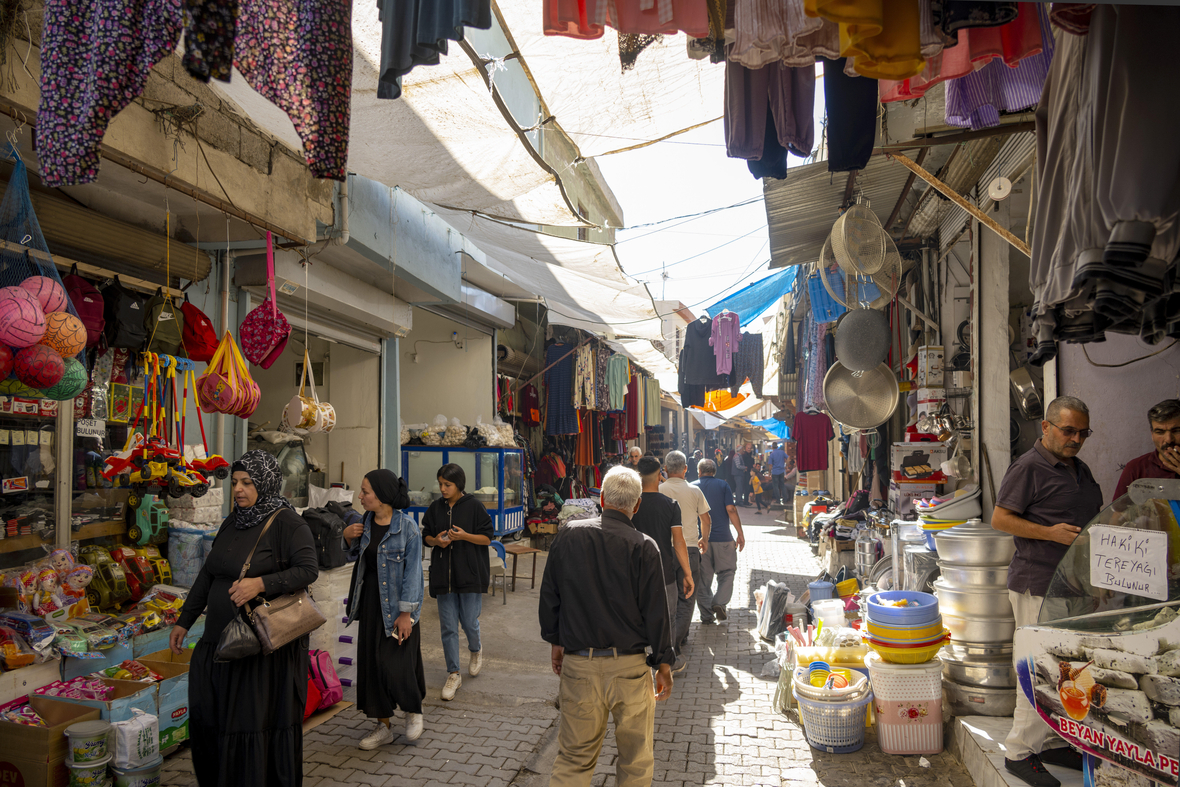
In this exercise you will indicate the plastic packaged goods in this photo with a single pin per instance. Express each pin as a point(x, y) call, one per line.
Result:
point(136, 741)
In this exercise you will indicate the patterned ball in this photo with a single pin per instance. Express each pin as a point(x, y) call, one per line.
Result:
point(39, 367)
point(64, 334)
point(7, 360)
point(22, 323)
point(48, 292)
point(72, 383)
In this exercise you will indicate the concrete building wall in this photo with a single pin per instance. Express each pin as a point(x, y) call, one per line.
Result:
point(445, 380)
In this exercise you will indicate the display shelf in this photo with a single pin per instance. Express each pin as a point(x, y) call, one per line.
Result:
point(18, 543)
point(114, 527)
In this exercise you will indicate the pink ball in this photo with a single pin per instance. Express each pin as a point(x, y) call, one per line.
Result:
point(19, 293)
point(7, 359)
point(48, 292)
point(39, 366)
point(22, 323)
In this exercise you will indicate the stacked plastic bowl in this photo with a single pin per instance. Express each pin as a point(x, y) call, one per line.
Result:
point(904, 627)
point(932, 525)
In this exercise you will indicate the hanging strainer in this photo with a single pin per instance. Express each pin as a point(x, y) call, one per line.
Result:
point(858, 241)
point(860, 400)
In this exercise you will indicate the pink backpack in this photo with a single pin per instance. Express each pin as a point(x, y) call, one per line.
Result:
point(323, 675)
point(265, 330)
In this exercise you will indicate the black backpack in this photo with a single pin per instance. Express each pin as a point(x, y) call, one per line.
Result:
point(124, 314)
point(328, 531)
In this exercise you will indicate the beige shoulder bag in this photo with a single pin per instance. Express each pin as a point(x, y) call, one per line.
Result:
point(285, 619)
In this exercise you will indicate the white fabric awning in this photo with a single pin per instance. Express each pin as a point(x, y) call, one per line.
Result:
point(644, 353)
point(600, 106)
point(708, 421)
point(582, 283)
point(445, 141)
point(749, 406)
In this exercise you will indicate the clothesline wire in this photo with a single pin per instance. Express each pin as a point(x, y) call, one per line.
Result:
point(701, 254)
point(634, 139)
point(687, 217)
point(710, 299)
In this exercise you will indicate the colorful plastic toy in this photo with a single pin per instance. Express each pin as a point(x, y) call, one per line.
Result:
point(108, 589)
point(151, 523)
point(159, 563)
point(139, 572)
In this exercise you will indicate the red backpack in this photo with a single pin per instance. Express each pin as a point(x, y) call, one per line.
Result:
point(265, 330)
point(200, 340)
point(88, 303)
point(323, 675)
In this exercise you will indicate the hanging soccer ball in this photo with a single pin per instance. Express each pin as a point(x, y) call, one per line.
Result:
point(72, 383)
point(64, 334)
point(48, 293)
point(39, 367)
point(7, 360)
point(22, 322)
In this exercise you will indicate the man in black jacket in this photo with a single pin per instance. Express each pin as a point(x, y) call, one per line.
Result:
point(602, 606)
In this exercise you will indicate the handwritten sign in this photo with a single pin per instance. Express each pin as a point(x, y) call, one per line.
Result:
point(1129, 561)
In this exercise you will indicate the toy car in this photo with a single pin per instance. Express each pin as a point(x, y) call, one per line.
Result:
point(98, 636)
point(121, 462)
point(160, 564)
point(212, 465)
point(108, 588)
point(182, 480)
point(141, 620)
point(150, 525)
point(123, 630)
point(139, 572)
point(70, 641)
point(34, 630)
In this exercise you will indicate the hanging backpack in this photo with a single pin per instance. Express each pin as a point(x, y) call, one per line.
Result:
point(200, 340)
point(88, 304)
point(323, 675)
point(164, 324)
point(124, 315)
point(327, 530)
point(265, 330)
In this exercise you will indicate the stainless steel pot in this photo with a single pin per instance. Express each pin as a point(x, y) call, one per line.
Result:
point(962, 575)
point(979, 628)
point(975, 544)
point(959, 650)
point(978, 701)
point(988, 674)
point(972, 601)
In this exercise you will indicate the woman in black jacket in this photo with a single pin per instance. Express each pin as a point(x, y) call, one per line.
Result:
point(459, 529)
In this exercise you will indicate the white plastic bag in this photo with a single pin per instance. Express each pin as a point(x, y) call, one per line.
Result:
point(318, 497)
point(136, 741)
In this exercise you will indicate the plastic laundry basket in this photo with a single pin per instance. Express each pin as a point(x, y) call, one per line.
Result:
point(908, 701)
point(834, 727)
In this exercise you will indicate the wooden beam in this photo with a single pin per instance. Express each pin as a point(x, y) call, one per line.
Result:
point(905, 191)
point(928, 193)
point(848, 187)
point(955, 139)
point(954, 197)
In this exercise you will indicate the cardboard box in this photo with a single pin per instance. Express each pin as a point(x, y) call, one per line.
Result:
point(902, 495)
point(26, 680)
point(930, 367)
point(128, 694)
point(172, 706)
point(920, 461)
point(36, 756)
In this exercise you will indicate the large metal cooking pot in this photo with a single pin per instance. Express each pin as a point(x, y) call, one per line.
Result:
point(972, 601)
point(979, 628)
point(990, 674)
point(961, 575)
point(975, 544)
point(959, 650)
point(979, 701)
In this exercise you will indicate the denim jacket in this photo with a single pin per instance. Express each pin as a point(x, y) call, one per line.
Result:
point(399, 567)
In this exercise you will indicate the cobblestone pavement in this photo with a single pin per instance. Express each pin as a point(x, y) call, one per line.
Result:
point(718, 728)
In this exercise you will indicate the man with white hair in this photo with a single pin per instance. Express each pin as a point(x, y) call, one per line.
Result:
point(602, 606)
point(633, 456)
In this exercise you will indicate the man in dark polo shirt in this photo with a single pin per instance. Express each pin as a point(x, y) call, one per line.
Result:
point(1164, 460)
point(1046, 498)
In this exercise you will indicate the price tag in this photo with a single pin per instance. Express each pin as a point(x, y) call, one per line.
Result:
point(5, 437)
point(32, 437)
point(47, 438)
point(1129, 561)
point(18, 437)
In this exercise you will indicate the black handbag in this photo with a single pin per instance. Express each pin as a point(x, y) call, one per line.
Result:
point(238, 639)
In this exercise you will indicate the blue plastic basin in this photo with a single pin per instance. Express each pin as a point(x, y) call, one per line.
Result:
point(922, 608)
point(822, 590)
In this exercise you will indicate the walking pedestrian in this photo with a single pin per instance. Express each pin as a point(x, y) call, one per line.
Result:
point(386, 598)
point(777, 459)
point(742, 465)
point(691, 474)
point(459, 529)
point(602, 607)
point(659, 517)
point(720, 560)
point(694, 509)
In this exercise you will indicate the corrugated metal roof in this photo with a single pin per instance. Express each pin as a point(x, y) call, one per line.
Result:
point(801, 210)
point(1014, 158)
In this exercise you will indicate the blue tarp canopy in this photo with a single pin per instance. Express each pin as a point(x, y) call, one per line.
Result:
point(775, 427)
point(751, 301)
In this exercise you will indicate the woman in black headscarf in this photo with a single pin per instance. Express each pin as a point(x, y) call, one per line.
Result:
point(246, 716)
point(386, 598)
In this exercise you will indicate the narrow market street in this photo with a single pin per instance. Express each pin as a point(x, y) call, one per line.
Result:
point(718, 728)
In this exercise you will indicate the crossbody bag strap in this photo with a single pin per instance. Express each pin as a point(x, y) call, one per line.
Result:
point(249, 557)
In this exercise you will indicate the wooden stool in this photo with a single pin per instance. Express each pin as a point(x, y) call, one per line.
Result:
point(517, 549)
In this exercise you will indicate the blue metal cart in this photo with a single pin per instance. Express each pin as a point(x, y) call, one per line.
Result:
point(498, 469)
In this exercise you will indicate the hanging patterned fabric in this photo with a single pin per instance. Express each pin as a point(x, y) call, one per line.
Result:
point(601, 388)
point(584, 383)
point(584, 452)
point(631, 45)
point(559, 381)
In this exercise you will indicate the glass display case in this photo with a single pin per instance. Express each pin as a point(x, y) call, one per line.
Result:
point(495, 476)
point(1102, 665)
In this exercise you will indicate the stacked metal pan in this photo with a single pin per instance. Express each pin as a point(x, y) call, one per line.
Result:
point(972, 592)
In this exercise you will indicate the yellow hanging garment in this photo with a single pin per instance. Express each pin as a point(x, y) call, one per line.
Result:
point(891, 50)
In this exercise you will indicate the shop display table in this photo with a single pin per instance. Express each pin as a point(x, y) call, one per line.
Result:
point(516, 550)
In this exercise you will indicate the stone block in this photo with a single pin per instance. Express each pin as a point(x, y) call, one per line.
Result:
point(1161, 689)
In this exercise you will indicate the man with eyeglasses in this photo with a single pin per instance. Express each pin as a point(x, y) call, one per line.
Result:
point(1047, 496)
point(1164, 460)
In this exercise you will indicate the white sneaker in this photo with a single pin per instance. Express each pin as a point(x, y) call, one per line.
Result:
point(413, 726)
point(377, 737)
point(454, 681)
point(476, 663)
